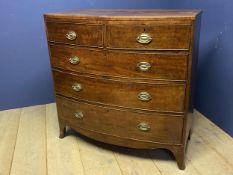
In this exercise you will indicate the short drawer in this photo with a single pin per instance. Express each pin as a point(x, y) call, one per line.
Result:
point(122, 123)
point(156, 97)
point(77, 34)
point(120, 64)
point(149, 37)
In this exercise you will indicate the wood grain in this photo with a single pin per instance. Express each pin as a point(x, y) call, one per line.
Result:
point(97, 159)
point(135, 162)
point(9, 123)
point(164, 66)
point(206, 159)
point(118, 122)
point(63, 156)
point(30, 150)
point(214, 137)
point(163, 161)
point(125, 14)
point(56, 32)
point(109, 75)
point(166, 97)
point(164, 37)
point(209, 152)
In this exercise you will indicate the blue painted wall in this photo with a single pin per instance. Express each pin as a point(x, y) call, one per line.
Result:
point(215, 68)
point(25, 77)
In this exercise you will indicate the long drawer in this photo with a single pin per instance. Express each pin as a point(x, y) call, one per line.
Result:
point(156, 97)
point(145, 127)
point(150, 65)
point(149, 37)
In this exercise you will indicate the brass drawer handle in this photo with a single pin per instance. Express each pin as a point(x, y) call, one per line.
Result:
point(144, 66)
point(78, 115)
point(144, 96)
point(144, 38)
point(143, 126)
point(77, 87)
point(71, 35)
point(74, 60)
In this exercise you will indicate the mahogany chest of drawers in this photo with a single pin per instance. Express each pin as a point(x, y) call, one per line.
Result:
point(126, 77)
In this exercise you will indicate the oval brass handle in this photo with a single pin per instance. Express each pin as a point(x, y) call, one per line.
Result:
point(74, 60)
point(77, 87)
point(144, 66)
point(143, 126)
point(144, 38)
point(79, 115)
point(144, 96)
point(71, 35)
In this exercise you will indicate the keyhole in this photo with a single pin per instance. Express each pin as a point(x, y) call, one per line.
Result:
point(144, 29)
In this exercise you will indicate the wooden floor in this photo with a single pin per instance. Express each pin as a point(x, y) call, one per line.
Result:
point(29, 145)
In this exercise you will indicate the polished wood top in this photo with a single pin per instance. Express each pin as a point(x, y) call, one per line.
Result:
point(127, 14)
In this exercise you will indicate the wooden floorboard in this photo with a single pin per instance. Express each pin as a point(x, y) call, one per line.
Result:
point(214, 137)
point(97, 158)
point(9, 123)
point(63, 156)
point(205, 159)
point(167, 165)
point(29, 145)
point(202, 152)
point(30, 149)
point(135, 162)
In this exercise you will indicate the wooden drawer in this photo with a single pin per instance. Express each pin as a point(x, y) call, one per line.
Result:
point(86, 34)
point(159, 97)
point(164, 37)
point(121, 64)
point(121, 123)
point(163, 66)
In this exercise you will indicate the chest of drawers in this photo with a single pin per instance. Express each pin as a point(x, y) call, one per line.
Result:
point(126, 77)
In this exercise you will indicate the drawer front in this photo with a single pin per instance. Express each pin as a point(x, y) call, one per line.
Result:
point(121, 64)
point(125, 124)
point(148, 65)
point(158, 97)
point(151, 37)
point(78, 34)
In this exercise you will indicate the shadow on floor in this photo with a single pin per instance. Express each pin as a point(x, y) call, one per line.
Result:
point(157, 154)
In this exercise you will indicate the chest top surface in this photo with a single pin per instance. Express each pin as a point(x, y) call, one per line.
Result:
point(128, 14)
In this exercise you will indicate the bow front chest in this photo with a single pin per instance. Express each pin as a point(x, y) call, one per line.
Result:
point(126, 77)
